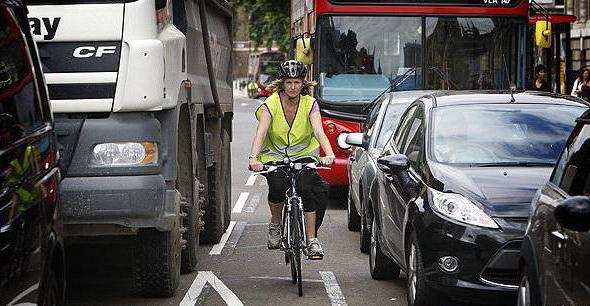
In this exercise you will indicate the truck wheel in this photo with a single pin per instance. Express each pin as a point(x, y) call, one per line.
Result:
point(217, 206)
point(157, 262)
point(226, 168)
point(190, 222)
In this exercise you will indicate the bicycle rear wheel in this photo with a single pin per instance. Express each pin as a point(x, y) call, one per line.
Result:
point(296, 235)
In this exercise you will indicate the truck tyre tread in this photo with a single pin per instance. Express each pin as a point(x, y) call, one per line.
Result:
point(157, 262)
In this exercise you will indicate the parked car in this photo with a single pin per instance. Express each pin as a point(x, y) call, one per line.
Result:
point(555, 254)
point(454, 188)
point(32, 262)
point(382, 120)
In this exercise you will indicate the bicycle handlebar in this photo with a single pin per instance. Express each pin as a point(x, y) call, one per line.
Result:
point(291, 166)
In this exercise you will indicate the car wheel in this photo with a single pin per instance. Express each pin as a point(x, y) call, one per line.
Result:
point(365, 237)
point(354, 220)
point(527, 293)
point(50, 295)
point(380, 266)
point(418, 291)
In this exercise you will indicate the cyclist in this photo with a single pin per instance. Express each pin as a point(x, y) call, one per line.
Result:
point(289, 125)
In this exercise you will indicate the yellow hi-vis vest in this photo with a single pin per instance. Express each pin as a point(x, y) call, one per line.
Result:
point(296, 141)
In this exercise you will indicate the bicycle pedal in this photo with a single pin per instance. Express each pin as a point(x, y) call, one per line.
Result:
point(315, 257)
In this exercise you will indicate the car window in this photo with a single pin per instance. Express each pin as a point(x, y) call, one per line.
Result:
point(390, 122)
point(413, 145)
point(402, 129)
point(369, 125)
point(572, 173)
point(20, 110)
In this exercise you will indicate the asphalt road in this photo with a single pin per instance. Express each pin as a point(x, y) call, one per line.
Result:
point(244, 271)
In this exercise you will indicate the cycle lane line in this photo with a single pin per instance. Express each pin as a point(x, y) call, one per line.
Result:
point(335, 294)
point(216, 249)
point(240, 202)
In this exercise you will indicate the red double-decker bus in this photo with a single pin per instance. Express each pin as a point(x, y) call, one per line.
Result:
point(361, 46)
point(263, 68)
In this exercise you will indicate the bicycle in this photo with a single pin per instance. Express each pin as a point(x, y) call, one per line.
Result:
point(293, 236)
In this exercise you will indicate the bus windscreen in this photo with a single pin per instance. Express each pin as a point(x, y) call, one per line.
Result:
point(360, 56)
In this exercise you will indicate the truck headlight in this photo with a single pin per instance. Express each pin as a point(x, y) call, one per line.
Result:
point(458, 208)
point(125, 154)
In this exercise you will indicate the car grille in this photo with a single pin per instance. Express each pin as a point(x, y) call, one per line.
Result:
point(502, 269)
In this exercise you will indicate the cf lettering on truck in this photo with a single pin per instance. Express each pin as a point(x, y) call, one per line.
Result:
point(143, 111)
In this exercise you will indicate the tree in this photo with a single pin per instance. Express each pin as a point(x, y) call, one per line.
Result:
point(269, 22)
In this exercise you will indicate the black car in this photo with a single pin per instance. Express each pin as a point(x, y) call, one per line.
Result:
point(555, 262)
point(32, 265)
point(454, 188)
point(381, 122)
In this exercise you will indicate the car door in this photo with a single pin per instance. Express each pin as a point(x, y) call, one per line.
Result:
point(28, 176)
point(389, 194)
point(566, 253)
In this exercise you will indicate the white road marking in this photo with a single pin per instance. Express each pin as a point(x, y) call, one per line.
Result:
point(204, 277)
point(22, 295)
point(285, 278)
point(333, 289)
point(253, 204)
point(243, 104)
point(251, 179)
point(240, 202)
point(216, 250)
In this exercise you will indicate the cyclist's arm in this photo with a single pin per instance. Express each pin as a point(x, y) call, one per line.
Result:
point(261, 130)
point(318, 132)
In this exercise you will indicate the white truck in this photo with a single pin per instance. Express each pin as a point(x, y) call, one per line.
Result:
point(142, 96)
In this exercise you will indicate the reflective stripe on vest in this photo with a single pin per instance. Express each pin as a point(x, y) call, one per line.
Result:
point(296, 141)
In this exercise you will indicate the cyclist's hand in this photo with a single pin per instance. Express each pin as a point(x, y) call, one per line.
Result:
point(255, 165)
point(327, 160)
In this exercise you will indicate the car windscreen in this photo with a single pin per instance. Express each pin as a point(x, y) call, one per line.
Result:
point(496, 134)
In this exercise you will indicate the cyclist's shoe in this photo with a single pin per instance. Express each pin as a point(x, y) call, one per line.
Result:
point(274, 236)
point(314, 249)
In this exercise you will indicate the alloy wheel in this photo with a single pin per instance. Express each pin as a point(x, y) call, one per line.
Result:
point(412, 277)
point(373, 249)
point(524, 291)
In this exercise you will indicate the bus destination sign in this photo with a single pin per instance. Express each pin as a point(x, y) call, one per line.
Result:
point(483, 3)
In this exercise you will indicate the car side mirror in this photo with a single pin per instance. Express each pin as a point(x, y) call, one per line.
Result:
point(574, 213)
point(357, 140)
point(394, 163)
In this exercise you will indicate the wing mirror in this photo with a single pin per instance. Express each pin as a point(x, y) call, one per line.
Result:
point(394, 163)
point(543, 34)
point(574, 213)
point(304, 50)
point(355, 139)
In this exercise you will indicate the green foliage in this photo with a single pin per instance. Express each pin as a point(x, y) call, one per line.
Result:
point(269, 22)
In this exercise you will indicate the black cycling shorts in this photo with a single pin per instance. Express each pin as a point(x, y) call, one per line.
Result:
point(312, 189)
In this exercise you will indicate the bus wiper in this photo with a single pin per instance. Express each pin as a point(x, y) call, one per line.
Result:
point(399, 80)
point(514, 164)
point(445, 77)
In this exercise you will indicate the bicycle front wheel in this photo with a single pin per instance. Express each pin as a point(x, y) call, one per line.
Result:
point(297, 247)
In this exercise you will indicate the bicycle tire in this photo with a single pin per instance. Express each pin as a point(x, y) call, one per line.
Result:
point(296, 245)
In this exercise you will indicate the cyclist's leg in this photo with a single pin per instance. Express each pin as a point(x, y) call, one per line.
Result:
point(314, 193)
point(278, 184)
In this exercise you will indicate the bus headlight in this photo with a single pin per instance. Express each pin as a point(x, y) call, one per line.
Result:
point(125, 154)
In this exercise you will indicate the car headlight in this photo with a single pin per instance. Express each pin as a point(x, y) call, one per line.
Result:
point(457, 207)
point(125, 154)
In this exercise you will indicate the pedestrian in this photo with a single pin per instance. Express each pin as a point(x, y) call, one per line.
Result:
point(583, 78)
point(540, 83)
point(290, 126)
